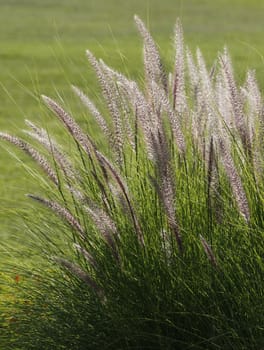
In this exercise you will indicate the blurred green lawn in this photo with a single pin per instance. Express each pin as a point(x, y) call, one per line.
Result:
point(42, 45)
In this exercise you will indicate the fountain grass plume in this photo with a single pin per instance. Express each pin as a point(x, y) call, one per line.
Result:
point(155, 239)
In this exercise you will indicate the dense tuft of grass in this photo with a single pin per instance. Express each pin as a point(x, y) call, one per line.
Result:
point(151, 234)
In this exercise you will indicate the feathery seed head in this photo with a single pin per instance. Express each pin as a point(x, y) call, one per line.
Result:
point(62, 212)
point(153, 66)
point(235, 180)
point(208, 250)
point(79, 273)
point(70, 124)
point(33, 153)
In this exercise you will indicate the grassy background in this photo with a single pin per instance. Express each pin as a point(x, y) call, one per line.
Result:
point(42, 51)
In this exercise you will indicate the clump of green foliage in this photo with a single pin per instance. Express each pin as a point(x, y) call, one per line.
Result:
point(157, 241)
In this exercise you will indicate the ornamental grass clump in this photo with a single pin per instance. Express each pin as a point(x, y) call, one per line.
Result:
point(156, 240)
